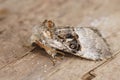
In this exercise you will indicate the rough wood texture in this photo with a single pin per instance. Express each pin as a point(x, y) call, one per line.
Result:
point(17, 17)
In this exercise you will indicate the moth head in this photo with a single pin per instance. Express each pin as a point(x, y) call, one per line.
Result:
point(48, 24)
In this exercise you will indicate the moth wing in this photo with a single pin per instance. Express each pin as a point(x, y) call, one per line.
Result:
point(55, 44)
point(93, 46)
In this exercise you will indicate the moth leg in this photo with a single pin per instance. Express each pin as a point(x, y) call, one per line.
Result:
point(62, 53)
point(52, 52)
point(49, 50)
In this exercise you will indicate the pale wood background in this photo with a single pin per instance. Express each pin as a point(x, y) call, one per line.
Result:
point(17, 17)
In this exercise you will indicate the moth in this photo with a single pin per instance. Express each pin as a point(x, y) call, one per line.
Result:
point(85, 42)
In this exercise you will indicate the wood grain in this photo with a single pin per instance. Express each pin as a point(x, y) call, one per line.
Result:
point(17, 64)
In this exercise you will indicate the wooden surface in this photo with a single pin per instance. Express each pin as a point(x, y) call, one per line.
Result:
point(17, 17)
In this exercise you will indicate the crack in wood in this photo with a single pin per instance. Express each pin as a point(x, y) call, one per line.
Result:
point(90, 74)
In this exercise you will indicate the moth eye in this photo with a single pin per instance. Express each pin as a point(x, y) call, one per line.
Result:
point(34, 44)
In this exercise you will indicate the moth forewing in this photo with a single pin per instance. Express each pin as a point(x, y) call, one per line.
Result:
point(93, 45)
point(80, 41)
